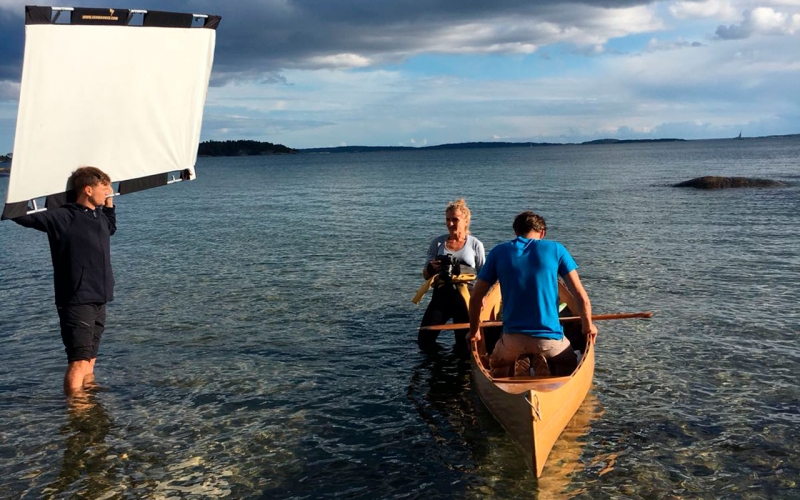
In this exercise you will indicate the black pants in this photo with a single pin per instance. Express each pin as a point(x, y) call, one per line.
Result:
point(446, 304)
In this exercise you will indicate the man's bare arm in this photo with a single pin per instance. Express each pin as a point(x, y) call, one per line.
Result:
point(479, 291)
point(582, 302)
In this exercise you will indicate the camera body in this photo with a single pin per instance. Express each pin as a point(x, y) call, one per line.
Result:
point(449, 266)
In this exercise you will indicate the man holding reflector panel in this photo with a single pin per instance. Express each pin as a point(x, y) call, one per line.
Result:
point(120, 89)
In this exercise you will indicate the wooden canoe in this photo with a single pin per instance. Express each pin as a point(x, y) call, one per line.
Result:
point(533, 410)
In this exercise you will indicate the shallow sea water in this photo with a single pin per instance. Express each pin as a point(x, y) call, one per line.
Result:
point(262, 340)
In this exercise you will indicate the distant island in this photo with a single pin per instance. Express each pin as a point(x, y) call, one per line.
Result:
point(461, 145)
point(475, 145)
point(242, 148)
point(4, 159)
point(257, 148)
point(629, 141)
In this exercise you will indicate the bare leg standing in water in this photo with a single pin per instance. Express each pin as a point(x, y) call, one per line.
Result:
point(80, 247)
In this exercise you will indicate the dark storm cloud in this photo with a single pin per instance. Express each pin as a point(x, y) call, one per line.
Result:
point(296, 34)
point(256, 40)
point(11, 45)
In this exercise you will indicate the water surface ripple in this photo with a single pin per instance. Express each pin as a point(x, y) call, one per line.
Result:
point(262, 340)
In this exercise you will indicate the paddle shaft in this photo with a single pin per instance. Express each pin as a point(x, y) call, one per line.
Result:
point(565, 319)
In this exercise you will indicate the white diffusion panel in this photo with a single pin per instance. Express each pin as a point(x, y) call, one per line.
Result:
point(126, 99)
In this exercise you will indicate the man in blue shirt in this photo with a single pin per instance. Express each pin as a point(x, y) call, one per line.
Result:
point(528, 268)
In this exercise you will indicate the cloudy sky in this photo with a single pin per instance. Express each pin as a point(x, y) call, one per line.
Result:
point(316, 73)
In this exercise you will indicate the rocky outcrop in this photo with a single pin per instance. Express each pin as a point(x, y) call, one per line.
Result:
point(714, 182)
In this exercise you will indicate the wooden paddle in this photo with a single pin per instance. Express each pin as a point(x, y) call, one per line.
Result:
point(565, 319)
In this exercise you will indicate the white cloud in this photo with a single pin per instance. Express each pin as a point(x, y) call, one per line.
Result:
point(722, 10)
point(340, 61)
point(761, 21)
point(688, 91)
point(525, 34)
point(766, 20)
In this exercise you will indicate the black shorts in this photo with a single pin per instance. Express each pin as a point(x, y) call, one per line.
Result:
point(81, 329)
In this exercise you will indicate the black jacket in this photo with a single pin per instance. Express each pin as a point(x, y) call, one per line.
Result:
point(80, 246)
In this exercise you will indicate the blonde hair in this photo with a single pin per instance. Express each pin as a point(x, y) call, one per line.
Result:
point(461, 206)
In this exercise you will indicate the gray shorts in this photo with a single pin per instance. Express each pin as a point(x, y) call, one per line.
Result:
point(559, 353)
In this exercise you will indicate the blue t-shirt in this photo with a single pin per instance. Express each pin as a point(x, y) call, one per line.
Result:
point(528, 272)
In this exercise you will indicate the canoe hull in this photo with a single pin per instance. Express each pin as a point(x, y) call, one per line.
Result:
point(534, 411)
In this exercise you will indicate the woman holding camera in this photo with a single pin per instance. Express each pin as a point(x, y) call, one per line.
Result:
point(452, 254)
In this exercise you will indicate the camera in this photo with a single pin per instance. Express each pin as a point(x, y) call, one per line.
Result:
point(449, 267)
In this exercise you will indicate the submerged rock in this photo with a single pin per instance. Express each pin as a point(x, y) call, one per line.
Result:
point(714, 182)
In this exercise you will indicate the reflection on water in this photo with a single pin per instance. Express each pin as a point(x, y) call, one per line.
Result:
point(440, 392)
point(469, 439)
point(262, 339)
point(85, 457)
point(508, 475)
point(565, 457)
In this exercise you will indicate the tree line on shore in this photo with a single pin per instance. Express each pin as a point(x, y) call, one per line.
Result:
point(242, 148)
point(257, 148)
